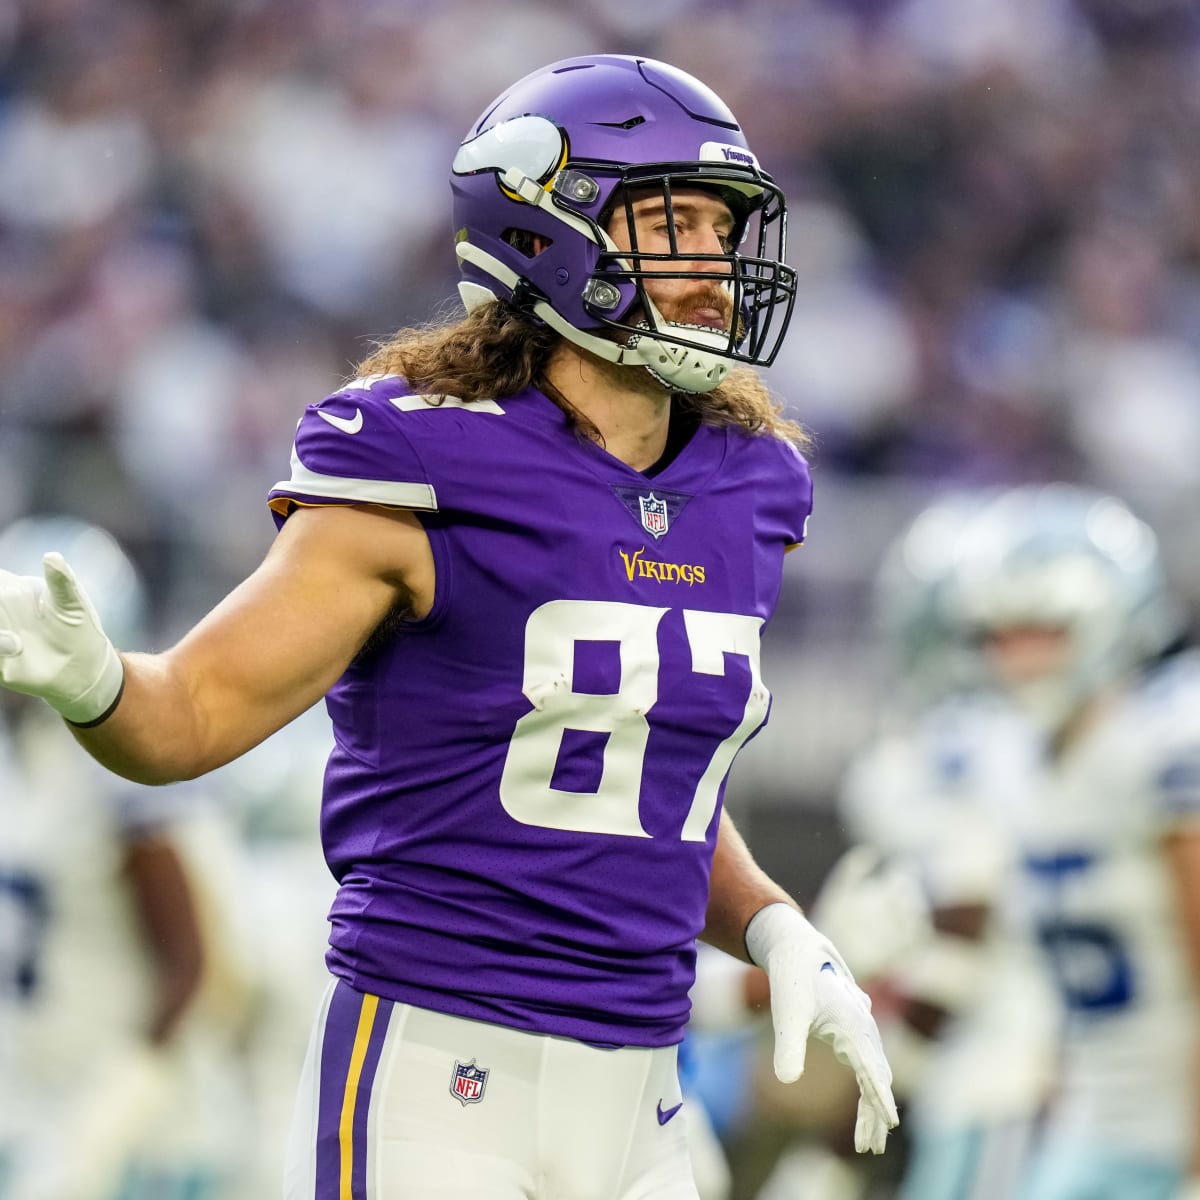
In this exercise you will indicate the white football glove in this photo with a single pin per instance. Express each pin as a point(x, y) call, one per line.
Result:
point(52, 644)
point(874, 909)
point(814, 994)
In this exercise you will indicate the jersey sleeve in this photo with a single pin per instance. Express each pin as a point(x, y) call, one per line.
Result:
point(1178, 785)
point(1174, 733)
point(797, 503)
point(352, 448)
point(1175, 784)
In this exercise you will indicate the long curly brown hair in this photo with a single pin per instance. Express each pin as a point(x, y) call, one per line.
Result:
point(497, 351)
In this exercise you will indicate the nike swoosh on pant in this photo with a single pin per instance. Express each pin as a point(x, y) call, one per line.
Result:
point(664, 1117)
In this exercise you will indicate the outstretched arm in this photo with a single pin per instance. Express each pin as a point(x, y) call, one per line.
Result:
point(264, 655)
point(1182, 850)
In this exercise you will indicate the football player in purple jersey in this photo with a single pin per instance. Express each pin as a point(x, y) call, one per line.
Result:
point(526, 557)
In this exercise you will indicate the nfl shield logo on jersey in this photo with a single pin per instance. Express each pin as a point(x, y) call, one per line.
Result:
point(654, 515)
point(468, 1082)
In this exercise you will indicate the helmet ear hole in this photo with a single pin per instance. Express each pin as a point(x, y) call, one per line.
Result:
point(526, 242)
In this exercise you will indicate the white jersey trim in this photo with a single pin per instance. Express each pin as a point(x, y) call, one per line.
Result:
point(421, 404)
point(388, 492)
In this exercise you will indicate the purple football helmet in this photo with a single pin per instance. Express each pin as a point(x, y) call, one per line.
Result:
point(540, 173)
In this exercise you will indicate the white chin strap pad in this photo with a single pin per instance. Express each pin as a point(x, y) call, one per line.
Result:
point(697, 367)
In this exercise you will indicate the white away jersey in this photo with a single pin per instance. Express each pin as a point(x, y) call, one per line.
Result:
point(1101, 901)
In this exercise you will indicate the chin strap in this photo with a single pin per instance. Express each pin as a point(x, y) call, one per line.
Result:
point(697, 367)
point(692, 368)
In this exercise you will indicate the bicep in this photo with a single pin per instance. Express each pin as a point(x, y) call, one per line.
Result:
point(271, 648)
point(279, 642)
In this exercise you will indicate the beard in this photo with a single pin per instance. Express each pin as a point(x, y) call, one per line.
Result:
point(686, 309)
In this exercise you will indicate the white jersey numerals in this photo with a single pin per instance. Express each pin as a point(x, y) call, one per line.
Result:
point(551, 634)
point(711, 636)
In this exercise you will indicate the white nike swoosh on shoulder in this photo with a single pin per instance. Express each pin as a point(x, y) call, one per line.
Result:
point(345, 424)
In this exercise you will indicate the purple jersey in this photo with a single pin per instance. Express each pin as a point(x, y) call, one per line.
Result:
point(521, 804)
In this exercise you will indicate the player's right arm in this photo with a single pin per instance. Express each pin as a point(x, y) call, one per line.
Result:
point(266, 653)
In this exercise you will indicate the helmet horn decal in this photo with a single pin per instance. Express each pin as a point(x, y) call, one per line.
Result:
point(532, 147)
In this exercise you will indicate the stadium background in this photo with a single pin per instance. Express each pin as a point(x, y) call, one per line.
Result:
point(209, 208)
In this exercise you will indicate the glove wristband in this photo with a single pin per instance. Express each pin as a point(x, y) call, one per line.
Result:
point(771, 924)
point(100, 700)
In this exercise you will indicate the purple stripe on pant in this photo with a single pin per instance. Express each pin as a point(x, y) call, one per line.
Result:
point(351, 1043)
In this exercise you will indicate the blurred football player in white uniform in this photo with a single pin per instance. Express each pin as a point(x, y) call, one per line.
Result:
point(119, 984)
point(286, 890)
point(1063, 590)
point(966, 1008)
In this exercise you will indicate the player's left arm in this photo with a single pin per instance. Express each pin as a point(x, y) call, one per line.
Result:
point(1181, 847)
point(167, 915)
point(265, 654)
point(128, 1081)
point(812, 990)
point(738, 888)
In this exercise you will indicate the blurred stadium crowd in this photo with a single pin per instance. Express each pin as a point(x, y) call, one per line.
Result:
point(210, 209)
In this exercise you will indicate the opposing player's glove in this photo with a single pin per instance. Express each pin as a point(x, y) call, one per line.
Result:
point(52, 644)
point(814, 994)
point(874, 909)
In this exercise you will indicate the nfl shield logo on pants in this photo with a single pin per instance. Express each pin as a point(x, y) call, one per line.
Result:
point(468, 1082)
point(654, 515)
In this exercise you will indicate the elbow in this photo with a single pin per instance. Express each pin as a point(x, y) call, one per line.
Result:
point(159, 774)
point(156, 770)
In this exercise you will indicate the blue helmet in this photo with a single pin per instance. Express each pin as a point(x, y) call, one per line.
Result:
point(539, 174)
point(913, 598)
